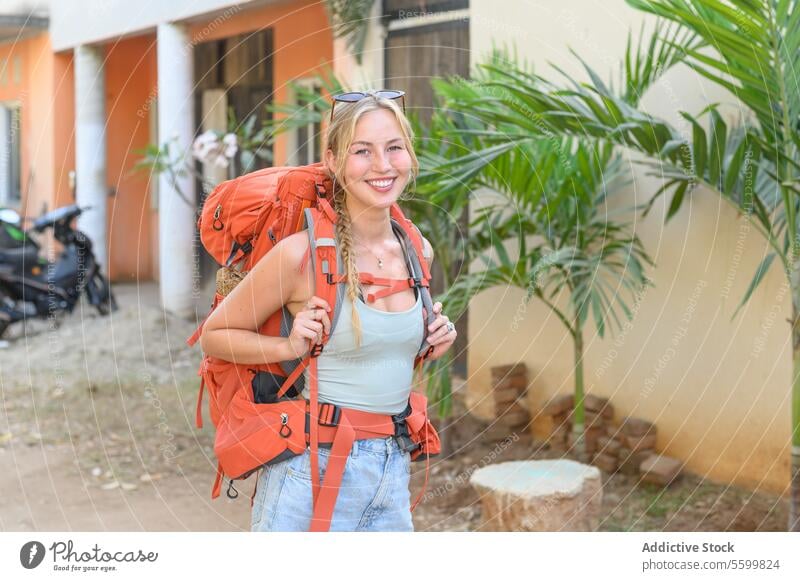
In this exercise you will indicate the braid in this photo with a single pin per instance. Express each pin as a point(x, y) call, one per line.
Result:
point(343, 235)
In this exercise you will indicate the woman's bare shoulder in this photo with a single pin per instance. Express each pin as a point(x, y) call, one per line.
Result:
point(292, 252)
point(294, 246)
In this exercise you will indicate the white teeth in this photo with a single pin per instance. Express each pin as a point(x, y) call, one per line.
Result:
point(380, 183)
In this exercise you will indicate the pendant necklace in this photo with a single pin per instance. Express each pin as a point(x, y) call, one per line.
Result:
point(379, 258)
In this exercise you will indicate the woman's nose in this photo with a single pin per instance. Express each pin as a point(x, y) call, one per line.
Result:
point(381, 162)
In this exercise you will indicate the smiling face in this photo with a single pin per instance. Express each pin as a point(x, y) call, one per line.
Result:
point(378, 164)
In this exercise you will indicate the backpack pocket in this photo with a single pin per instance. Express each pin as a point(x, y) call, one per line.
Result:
point(421, 429)
point(250, 435)
point(266, 386)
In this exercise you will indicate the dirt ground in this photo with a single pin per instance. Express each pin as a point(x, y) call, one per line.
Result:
point(97, 433)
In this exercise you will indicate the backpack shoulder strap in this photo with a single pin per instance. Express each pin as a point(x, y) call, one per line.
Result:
point(414, 236)
point(413, 249)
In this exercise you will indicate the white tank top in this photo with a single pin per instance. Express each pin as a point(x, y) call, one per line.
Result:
point(376, 377)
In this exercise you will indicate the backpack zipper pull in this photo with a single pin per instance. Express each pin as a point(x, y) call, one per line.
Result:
point(235, 492)
point(285, 425)
point(217, 212)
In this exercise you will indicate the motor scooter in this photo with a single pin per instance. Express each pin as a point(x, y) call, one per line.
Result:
point(33, 287)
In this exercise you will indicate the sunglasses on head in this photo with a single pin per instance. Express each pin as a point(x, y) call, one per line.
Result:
point(354, 96)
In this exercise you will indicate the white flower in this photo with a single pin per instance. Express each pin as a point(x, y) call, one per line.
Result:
point(221, 161)
point(230, 143)
point(203, 144)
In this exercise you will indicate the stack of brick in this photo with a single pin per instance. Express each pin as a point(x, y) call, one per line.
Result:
point(509, 386)
point(630, 449)
point(597, 412)
point(626, 446)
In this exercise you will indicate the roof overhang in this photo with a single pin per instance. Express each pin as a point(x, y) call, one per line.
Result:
point(16, 26)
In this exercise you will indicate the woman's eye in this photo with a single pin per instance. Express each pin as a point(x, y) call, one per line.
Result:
point(396, 147)
point(360, 151)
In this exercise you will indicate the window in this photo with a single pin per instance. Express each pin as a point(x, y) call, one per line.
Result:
point(10, 164)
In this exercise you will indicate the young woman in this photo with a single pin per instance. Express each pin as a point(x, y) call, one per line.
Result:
point(367, 362)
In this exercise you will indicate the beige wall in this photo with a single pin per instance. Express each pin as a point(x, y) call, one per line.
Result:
point(717, 389)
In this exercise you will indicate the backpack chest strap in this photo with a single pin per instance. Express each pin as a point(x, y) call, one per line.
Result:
point(395, 285)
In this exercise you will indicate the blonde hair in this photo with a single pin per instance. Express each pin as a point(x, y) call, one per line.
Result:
point(339, 137)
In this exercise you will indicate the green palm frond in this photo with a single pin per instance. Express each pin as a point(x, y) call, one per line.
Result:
point(756, 52)
point(350, 20)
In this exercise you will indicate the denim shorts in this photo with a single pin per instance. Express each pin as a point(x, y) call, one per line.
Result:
point(373, 496)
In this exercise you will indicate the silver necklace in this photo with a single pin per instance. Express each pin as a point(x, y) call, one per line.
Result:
point(379, 258)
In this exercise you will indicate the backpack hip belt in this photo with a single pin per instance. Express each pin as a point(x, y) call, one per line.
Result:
point(286, 428)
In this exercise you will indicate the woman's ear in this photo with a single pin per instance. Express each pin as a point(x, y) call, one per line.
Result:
point(329, 161)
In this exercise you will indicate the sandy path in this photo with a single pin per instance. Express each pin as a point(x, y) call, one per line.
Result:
point(43, 489)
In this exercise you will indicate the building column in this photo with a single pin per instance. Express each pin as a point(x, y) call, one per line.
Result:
point(5, 157)
point(90, 148)
point(176, 203)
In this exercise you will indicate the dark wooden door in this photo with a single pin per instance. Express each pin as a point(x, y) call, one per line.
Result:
point(242, 66)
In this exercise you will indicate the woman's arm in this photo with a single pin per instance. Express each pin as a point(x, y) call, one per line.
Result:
point(231, 331)
point(427, 252)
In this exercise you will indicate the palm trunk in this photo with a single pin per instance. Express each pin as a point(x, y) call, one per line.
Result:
point(578, 413)
point(794, 499)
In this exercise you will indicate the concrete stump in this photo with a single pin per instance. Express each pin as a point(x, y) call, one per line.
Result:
point(539, 495)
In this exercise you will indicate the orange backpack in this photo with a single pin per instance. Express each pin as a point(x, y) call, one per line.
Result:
point(256, 409)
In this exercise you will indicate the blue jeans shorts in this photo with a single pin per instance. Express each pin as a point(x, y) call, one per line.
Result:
point(373, 496)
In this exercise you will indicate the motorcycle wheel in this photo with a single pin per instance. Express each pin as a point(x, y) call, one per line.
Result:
point(100, 294)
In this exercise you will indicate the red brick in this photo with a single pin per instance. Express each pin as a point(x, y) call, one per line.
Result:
point(502, 371)
point(516, 383)
point(590, 419)
point(636, 427)
point(558, 405)
point(630, 463)
point(507, 395)
point(605, 462)
point(599, 405)
point(661, 470)
point(608, 445)
point(502, 407)
point(647, 442)
point(514, 417)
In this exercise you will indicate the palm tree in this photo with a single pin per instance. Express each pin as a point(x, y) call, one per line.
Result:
point(555, 209)
point(751, 48)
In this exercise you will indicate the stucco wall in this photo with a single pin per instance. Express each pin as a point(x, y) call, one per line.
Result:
point(75, 22)
point(718, 390)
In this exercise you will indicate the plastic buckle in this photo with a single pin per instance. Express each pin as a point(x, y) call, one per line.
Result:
point(401, 433)
point(329, 414)
point(316, 350)
point(414, 282)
